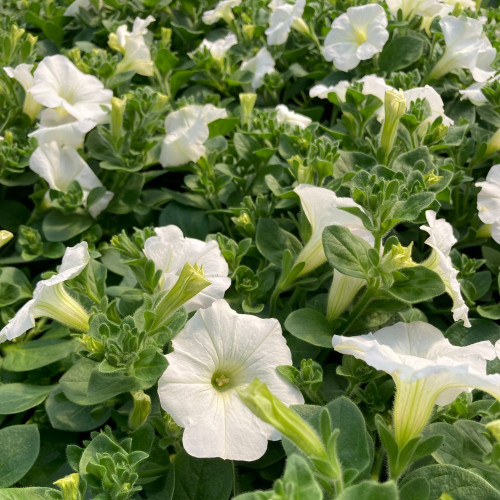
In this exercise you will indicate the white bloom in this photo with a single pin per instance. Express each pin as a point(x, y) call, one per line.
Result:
point(187, 131)
point(61, 165)
point(60, 84)
point(73, 9)
point(474, 93)
point(22, 73)
point(223, 10)
point(261, 64)
point(434, 100)
point(466, 47)
point(412, 8)
point(488, 201)
point(284, 115)
point(217, 353)
point(170, 250)
point(281, 21)
point(375, 85)
point(219, 47)
point(426, 368)
point(320, 90)
point(51, 299)
point(356, 35)
point(322, 208)
point(441, 240)
point(136, 55)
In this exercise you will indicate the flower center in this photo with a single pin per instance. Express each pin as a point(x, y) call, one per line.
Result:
point(221, 381)
point(359, 35)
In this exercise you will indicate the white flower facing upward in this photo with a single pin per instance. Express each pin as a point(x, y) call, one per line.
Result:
point(217, 353)
point(219, 47)
point(426, 368)
point(356, 35)
point(61, 165)
point(223, 10)
point(170, 250)
point(284, 115)
point(322, 91)
point(261, 64)
point(488, 201)
point(50, 298)
point(441, 240)
point(283, 18)
point(22, 74)
point(58, 83)
point(322, 208)
point(467, 47)
point(136, 55)
point(187, 131)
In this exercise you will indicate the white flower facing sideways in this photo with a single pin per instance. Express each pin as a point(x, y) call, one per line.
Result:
point(441, 240)
point(217, 353)
point(412, 8)
point(170, 250)
point(187, 131)
point(73, 9)
point(284, 115)
point(322, 91)
point(356, 35)
point(136, 55)
point(260, 65)
point(223, 10)
point(61, 165)
point(22, 74)
point(219, 47)
point(282, 19)
point(59, 84)
point(50, 298)
point(426, 368)
point(488, 201)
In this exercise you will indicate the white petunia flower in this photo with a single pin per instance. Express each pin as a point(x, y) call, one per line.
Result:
point(136, 55)
point(217, 353)
point(187, 131)
point(22, 73)
point(488, 201)
point(320, 90)
point(73, 9)
point(61, 165)
point(58, 83)
point(223, 10)
point(219, 47)
point(474, 93)
point(261, 64)
point(170, 250)
point(50, 298)
point(356, 35)
point(375, 85)
point(466, 47)
point(434, 100)
point(441, 240)
point(426, 368)
point(412, 8)
point(284, 115)
point(282, 19)
point(322, 208)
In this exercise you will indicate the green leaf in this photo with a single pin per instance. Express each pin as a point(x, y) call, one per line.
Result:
point(370, 490)
point(400, 52)
point(30, 494)
point(272, 241)
point(58, 226)
point(480, 329)
point(193, 222)
point(17, 397)
point(411, 208)
point(490, 312)
point(19, 447)
point(126, 194)
point(416, 489)
point(148, 367)
point(223, 126)
point(14, 286)
point(310, 326)
point(415, 284)
point(299, 482)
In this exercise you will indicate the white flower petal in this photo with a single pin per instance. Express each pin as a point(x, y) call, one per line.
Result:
point(219, 47)
point(284, 115)
point(488, 201)
point(223, 10)
point(320, 90)
point(260, 65)
point(434, 100)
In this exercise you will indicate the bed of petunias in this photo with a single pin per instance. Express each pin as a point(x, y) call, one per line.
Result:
point(249, 250)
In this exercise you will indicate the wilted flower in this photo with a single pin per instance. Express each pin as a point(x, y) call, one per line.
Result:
point(170, 250)
point(187, 131)
point(488, 201)
point(320, 90)
point(60, 84)
point(283, 18)
point(219, 47)
point(22, 73)
point(412, 8)
point(284, 115)
point(51, 299)
point(136, 55)
point(261, 64)
point(216, 354)
point(223, 10)
point(356, 35)
point(426, 368)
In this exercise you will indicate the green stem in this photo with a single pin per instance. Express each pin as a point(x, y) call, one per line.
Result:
point(369, 293)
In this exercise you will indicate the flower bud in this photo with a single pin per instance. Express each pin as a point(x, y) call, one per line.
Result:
point(494, 143)
point(395, 108)
point(342, 292)
point(166, 35)
point(141, 410)
point(247, 102)
point(484, 231)
point(70, 487)
point(494, 428)
point(117, 110)
point(301, 26)
point(5, 237)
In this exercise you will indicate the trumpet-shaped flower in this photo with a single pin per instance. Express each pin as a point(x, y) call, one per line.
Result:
point(187, 131)
point(356, 35)
point(73, 9)
point(58, 83)
point(466, 47)
point(223, 10)
point(322, 208)
point(426, 368)
point(61, 165)
point(261, 64)
point(282, 19)
point(50, 298)
point(136, 55)
point(284, 115)
point(474, 92)
point(441, 240)
point(320, 90)
point(412, 8)
point(219, 47)
point(488, 201)
point(216, 354)
point(434, 100)
point(170, 251)
point(22, 73)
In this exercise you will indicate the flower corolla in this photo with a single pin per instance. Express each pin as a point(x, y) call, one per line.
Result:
point(282, 19)
point(219, 47)
point(261, 64)
point(223, 10)
point(321, 90)
point(284, 115)
point(22, 73)
point(488, 201)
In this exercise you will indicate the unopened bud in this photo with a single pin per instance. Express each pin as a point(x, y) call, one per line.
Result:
point(395, 108)
point(247, 102)
point(70, 487)
point(141, 410)
point(5, 237)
